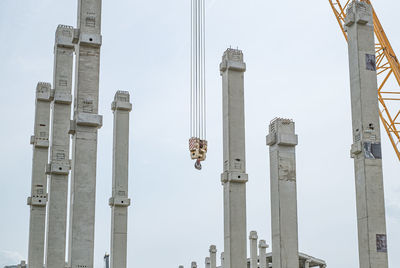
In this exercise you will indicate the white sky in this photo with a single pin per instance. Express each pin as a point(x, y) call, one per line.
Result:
point(296, 67)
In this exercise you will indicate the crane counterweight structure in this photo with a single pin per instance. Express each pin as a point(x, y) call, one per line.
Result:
point(197, 142)
point(387, 66)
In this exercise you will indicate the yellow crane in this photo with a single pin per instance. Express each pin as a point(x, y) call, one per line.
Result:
point(387, 66)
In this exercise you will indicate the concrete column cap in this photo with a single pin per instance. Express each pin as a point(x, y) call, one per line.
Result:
point(213, 249)
point(253, 235)
point(263, 244)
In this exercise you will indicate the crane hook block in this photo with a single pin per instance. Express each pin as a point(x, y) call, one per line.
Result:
point(198, 150)
point(197, 164)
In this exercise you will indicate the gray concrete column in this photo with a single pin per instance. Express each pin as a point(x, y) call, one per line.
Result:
point(234, 177)
point(263, 253)
point(366, 149)
point(223, 260)
point(59, 167)
point(282, 141)
point(213, 256)
point(38, 199)
point(253, 249)
point(84, 129)
point(120, 201)
point(194, 264)
point(180, 266)
point(307, 263)
point(207, 262)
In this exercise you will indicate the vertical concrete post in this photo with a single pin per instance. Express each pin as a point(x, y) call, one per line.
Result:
point(213, 256)
point(263, 253)
point(234, 177)
point(38, 199)
point(282, 141)
point(119, 201)
point(207, 262)
point(194, 264)
point(59, 166)
point(366, 149)
point(253, 249)
point(307, 263)
point(84, 128)
point(223, 260)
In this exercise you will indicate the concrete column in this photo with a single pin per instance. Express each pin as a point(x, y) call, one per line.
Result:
point(84, 129)
point(180, 266)
point(366, 149)
point(234, 177)
point(282, 141)
point(207, 262)
point(253, 249)
point(194, 264)
point(307, 263)
point(38, 199)
point(59, 166)
point(213, 256)
point(223, 260)
point(263, 253)
point(120, 201)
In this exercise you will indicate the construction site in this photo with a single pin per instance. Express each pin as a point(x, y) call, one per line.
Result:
point(197, 143)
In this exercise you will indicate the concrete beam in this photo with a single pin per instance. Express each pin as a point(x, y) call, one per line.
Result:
point(84, 129)
point(282, 141)
point(59, 167)
point(234, 177)
point(120, 201)
point(38, 199)
point(253, 237)
point(366, 148)
point(213, 256)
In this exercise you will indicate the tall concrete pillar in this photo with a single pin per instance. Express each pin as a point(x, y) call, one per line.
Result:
point(120, 201)
point(84, 128)
point(38, 199)
point(262, 245)
point(253, 249)
point(207, 262)
point(59, 167)
point(234, 177)
point(366, 149)
point(282, 141)
point(307, 263)
point(223, 260)
point(213, 256)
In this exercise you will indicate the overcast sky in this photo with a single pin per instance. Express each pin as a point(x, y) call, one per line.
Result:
point(297, 67)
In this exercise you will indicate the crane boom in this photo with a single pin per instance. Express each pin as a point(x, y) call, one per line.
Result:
point(387, 66)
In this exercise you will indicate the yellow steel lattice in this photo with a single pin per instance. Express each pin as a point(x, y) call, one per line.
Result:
point(387, 66)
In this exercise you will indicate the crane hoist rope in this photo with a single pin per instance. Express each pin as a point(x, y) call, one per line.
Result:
point(387, 66)
point(197, 141)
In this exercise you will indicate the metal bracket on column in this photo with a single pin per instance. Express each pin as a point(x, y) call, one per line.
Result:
point(232, 176)
point(38, 201)
point(58, 168)
point(119, 202)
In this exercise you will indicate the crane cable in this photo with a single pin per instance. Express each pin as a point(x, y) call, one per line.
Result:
point(197, 142)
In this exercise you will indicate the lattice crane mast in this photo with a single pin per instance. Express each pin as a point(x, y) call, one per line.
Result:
point(387, 66)
point(197, 141)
